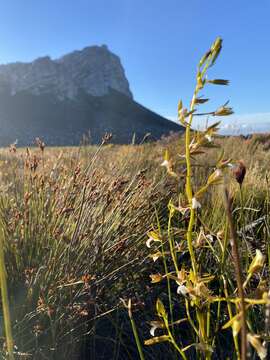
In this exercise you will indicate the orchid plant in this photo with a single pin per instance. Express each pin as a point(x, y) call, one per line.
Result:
point(207, 311)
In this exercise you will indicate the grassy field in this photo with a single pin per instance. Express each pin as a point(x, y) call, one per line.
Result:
point(75, 224)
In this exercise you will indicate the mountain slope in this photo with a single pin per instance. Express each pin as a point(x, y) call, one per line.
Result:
point(84, 92)
point(25, 116)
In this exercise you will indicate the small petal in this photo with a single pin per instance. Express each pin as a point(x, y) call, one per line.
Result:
point(257, 262)
point(256, 343)
point(153, 236)
point(195, 204)
point(218, 173)
point(165, 163)
point(182, 290)
point(182, 276)
point(236, 327)
point(152, 330)
point(149, 241)
point(223, 111)
point(218, 82)
point(155, 257)
point(155, 325)
point(208, 137)
point(157, 340)
point(155, 278)
point(209, 238)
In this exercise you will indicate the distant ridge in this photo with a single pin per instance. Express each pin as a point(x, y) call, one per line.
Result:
point(81, 93)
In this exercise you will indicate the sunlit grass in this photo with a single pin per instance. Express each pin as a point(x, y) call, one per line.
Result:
point(75, 225)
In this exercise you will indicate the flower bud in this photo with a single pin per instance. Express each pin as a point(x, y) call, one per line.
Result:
point(218, 82)
point(257, 262)
point(239, 172)
point(223, 111)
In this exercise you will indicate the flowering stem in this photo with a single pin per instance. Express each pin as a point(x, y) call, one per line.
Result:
point(189, 241)
point(135, 332)
point(166, 272)
point(189, 186)
point(188, 164)
point(171, 244)
point(5, 302)
point(229, 306)
point(190, 319)
point(238, 272)
point(181, 352)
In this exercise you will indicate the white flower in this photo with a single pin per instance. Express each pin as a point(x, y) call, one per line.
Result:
point(155, 257)
point(148, 242)
point(195, 203)
point(152, 330)
point(208, 137)
point(182, 289)
point(152, 237)
point(165, 163)
point(218, 173)
point(154, 326)
point(210, 238)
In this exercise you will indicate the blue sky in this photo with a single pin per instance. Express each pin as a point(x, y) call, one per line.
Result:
point(159, 43)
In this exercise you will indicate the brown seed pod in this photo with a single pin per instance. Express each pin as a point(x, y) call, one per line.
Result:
point(239, 172)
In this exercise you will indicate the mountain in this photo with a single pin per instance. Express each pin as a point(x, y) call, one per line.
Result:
point(94, 69)
point(84, 92)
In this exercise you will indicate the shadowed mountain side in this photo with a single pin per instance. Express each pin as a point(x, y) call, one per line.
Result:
point(25, 116)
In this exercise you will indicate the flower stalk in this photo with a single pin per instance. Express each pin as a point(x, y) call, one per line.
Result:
point(5, 301)
point(239, 277)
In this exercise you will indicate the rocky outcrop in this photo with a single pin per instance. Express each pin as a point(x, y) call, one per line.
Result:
point(82, 94)
point(94, 70)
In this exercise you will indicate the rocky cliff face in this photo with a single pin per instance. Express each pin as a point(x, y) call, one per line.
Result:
point(93, 70)
point(84, 93)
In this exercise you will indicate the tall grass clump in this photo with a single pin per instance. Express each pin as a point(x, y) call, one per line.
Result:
point(215, 289)
point(73, 222)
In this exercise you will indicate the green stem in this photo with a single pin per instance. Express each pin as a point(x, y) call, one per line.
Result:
point(171, 244)
point(181, 352)
point(238, 275)
point(5, 302)
point(189, 241)
point(188, 164)
point(189, 185)
point(190, 319)
point(166, 271)
point(229, 306)
point(135, 332)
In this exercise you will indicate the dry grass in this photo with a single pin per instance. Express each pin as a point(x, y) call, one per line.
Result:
point(75, 223)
